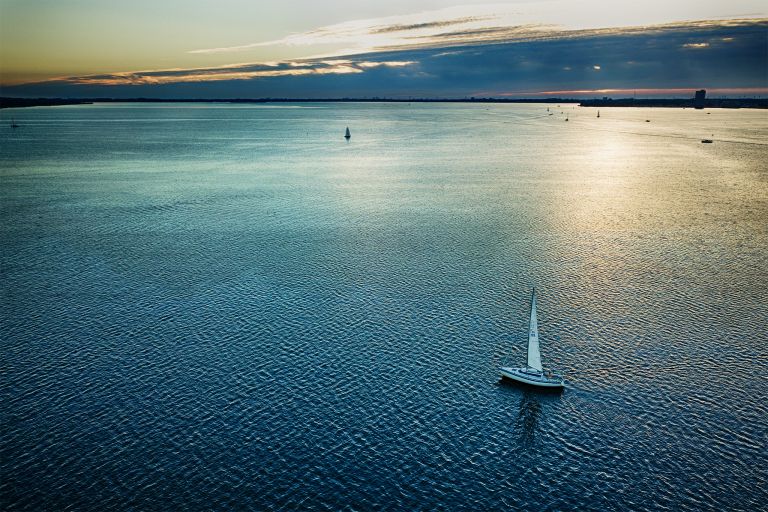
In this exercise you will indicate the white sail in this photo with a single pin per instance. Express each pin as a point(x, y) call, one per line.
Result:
point(534, 356)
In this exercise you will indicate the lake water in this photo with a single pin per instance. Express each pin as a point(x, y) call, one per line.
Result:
point(230, 306)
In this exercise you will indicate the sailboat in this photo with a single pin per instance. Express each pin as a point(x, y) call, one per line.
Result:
point(533, 373)
point(13, 123)
point(598, 114)
point(347, 135)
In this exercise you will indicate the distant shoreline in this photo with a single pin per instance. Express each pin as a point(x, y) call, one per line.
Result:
point(7, 102)
point(39, 102)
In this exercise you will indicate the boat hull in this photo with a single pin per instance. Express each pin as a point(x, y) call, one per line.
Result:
point(532, 378)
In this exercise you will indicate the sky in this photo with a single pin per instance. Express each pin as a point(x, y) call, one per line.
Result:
point(398, 48)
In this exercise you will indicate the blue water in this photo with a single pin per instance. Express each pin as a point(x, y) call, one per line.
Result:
point(231, 307)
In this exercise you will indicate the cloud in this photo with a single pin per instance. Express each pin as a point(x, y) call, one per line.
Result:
point(235, 72)
point(391, 64)
point(539, 32)
point(428, 24)
point(449, 53)
point(366, 34)
point(651, 58)
point(478, 24)
point(696, 45)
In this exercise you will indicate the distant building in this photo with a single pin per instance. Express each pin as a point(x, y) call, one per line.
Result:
point(698, 99)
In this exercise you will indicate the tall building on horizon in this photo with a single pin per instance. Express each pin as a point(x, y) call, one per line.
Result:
point(699, 97)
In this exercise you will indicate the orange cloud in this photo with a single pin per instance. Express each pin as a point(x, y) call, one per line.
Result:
point(234, 72)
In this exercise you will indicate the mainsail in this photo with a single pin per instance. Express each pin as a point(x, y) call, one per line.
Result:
point(534, 356)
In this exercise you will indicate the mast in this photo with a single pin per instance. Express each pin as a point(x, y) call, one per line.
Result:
point(534, 356)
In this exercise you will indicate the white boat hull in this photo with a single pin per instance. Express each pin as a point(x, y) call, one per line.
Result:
point(532, 377)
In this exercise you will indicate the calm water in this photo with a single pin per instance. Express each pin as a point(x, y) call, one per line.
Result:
point(216, 306)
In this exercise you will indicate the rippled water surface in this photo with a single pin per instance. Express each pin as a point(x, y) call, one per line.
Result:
point(230, 306)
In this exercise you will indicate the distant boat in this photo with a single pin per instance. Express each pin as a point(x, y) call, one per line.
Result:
point(347, 135)
point(706, 141)
point(566, 117)
point(533, 374)
point(598, 114)
point(13, 123)
point(647, 120)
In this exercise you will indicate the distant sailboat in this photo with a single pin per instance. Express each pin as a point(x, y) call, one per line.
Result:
point(13, 123)
point(598, 114)
point(566, 117)
point(347, 135)
point(533, 373)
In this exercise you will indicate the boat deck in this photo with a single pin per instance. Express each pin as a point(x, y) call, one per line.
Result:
point(533, 377)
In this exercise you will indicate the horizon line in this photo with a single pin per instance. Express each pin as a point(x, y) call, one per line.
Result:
point(373, 99)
